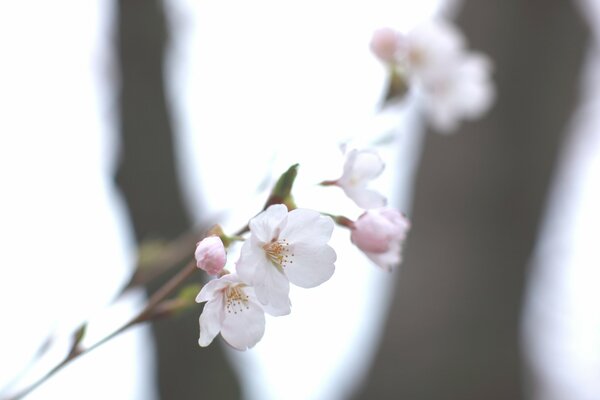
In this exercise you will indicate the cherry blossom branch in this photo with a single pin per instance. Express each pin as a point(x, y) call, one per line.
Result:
point(288, 245)
point(146, 314)
point(171, 254)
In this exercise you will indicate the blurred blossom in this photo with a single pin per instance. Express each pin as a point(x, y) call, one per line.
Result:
point(452, 82)
point(232, 309)
point(462, 90)
point(427, 49)
point(210, 255)
point(379, 233)
point(286, 247)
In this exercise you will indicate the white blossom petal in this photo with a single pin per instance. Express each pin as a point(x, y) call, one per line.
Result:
point(266, 225)
point(210, 321)
point(312, 265)
point(251, 256)
point(366, 198)
point(244, 331)
point(210, 290)
point(243, 328)
point(307, 225)
point(233, 310)
point(363, 166)
point(272, 290)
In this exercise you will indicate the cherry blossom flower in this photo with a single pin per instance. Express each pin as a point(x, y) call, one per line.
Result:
point(379, 233)
point(286, 247)
point(210, 255)
point(232, 309)
point(361, 167)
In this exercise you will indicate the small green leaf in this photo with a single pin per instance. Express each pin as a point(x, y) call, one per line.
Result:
point(397, 87)
point(77, 339)
point(282, 192)
point(80, 333)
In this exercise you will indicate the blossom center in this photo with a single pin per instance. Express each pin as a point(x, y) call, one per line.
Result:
point(416, 57)
point(278, 253)
point(236, 300)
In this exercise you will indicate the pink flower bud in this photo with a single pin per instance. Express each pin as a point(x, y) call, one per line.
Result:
point(384, 44)
point(211, 255)
point(379, 233)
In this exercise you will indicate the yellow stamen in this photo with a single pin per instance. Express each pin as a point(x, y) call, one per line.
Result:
point(236, 300)
point(278, 253)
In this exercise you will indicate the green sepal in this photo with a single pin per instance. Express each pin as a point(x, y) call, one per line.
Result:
point(282, 191)
point(397, 86)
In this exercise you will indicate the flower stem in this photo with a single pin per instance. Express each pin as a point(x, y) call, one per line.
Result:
point(143, 316)
point(340, 220)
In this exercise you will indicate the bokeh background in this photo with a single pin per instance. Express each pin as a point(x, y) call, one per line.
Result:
point(495, 297)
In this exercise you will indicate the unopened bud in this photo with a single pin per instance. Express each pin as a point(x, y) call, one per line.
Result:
point(210, 255)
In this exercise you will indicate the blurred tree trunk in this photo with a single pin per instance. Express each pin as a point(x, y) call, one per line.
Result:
point(453, 328)
point(148, 180)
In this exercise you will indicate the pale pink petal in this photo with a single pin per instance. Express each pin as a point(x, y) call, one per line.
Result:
point(211, 321)
point(384, 44)
point(266, 225)
point(210, 255)
point(379, 233)
point(311, 266)
point(387, 260)
point(307, 226)
point(398, 223)
point(370, 236)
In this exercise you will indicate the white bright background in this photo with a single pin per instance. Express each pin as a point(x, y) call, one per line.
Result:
point(65, 240)
point(254, 87)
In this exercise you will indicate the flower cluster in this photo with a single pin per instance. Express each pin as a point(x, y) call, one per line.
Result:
point(286, 247)
point(453, 82)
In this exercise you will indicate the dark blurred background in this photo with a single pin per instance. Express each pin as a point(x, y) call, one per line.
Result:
point(453, 328)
